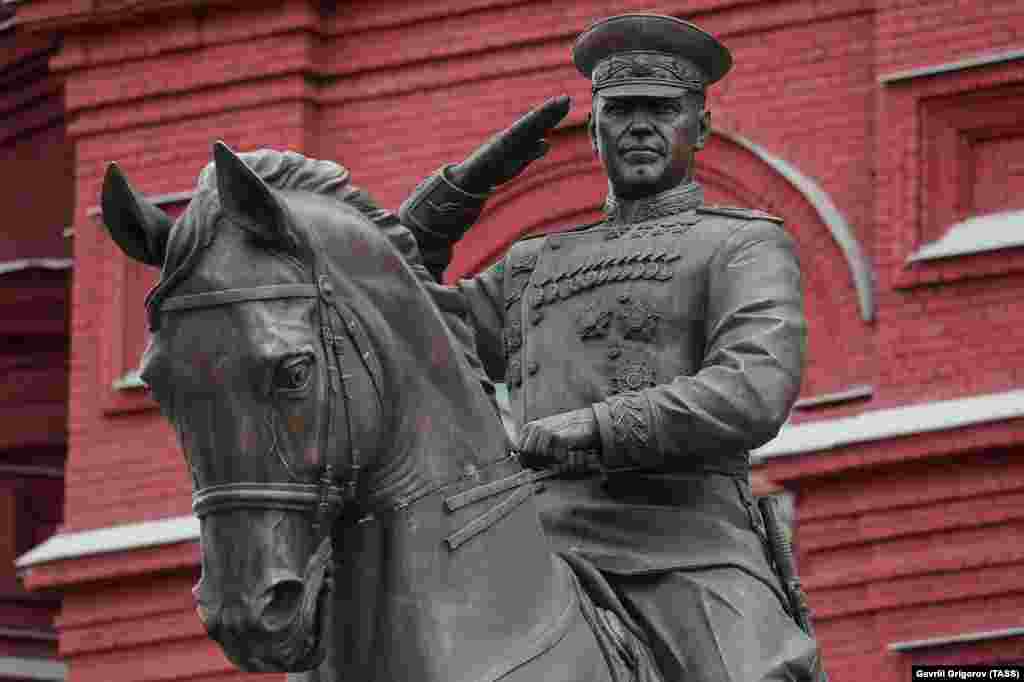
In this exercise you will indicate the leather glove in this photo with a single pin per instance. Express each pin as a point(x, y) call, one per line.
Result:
point(509, 152)
point(567, 443)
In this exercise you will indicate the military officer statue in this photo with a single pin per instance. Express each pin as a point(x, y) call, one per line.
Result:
point(657, 347)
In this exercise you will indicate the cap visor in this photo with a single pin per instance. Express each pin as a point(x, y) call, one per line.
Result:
point(641, 90)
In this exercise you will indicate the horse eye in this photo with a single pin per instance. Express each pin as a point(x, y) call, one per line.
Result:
point(293, 374)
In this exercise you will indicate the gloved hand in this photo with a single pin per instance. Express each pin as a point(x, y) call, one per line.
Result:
point(567, 442)
point(510, 151)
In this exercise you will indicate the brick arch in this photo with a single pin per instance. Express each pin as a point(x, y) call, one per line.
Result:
point(727, 152)
point(568, 189)
point(838, 292)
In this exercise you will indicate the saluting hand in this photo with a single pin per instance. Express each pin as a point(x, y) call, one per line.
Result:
point(509, 152)
point(567, 442)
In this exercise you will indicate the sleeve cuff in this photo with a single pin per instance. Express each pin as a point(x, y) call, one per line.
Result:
point(444, 172)
point(611, 457)
point(440, 211)
point(625, 422)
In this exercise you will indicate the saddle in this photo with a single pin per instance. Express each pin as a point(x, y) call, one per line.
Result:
point(623, 642)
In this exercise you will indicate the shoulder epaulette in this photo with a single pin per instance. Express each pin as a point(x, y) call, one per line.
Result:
point(745, 213)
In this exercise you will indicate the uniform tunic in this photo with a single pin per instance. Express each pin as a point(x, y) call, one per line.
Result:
point(685, 332)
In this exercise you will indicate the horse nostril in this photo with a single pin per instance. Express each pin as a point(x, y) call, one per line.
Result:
point(285, 600)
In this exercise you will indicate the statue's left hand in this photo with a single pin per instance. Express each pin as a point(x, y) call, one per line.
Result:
point(566, 442)
point(509, 152)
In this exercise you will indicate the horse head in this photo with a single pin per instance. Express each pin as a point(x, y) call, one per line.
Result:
point(269, 378)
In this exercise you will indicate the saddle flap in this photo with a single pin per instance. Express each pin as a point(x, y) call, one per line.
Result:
point(623, 642)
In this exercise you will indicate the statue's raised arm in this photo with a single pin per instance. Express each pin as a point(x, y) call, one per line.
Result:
point(446, 204)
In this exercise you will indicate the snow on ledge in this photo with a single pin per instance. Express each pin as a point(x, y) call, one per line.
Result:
point(22, 668)
point(981, 234)
point(112, 539)
point(908, 420)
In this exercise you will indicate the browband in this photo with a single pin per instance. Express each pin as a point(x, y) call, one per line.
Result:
point(210, 299)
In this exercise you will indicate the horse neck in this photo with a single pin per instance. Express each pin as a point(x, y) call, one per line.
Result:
point(406, 606)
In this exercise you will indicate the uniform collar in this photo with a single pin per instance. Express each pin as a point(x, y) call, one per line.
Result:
point(684, 197)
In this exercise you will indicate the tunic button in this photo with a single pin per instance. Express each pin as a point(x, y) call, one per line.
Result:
point(623, 298)
point(555, 245)
point(538, 315)
point(614, 352)
point(514, 375)
point(532, 368)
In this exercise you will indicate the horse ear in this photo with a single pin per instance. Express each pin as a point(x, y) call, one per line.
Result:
point(248, 200)
point(135, 224)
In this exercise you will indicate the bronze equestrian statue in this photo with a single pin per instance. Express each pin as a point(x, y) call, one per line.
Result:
point(363, 516)
point(655, 348)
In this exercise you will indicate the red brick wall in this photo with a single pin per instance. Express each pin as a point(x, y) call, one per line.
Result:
point(35, 161)
point(913, 34)
point(394, 89)
point(36, 201)
point(967, 329)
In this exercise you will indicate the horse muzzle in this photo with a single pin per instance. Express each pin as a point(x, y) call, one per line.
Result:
point(283, 630)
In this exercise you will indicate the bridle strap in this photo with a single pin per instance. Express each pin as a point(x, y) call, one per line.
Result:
point(282, 496)
point(210, 299)
point(336, 387)
point(323, 497)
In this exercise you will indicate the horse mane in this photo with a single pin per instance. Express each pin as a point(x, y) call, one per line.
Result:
point(196, 229)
